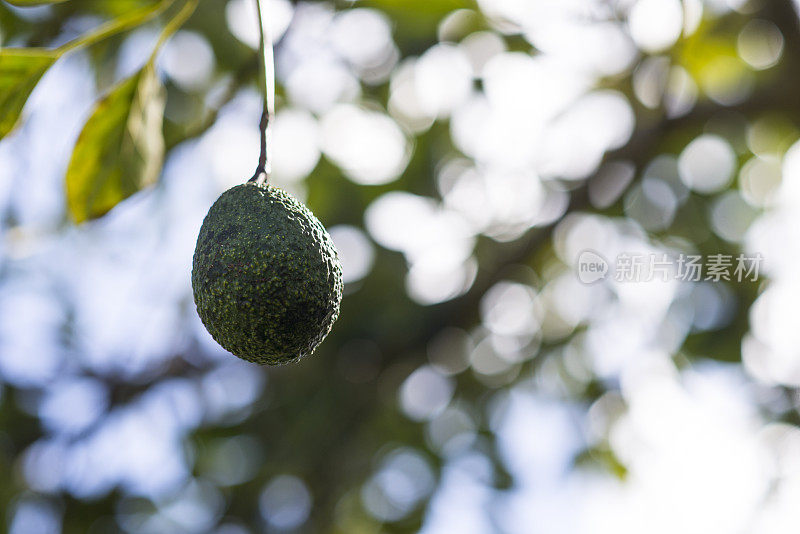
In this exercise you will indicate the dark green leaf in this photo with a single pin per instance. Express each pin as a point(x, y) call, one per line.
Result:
point(20, 71)
point(120, 149)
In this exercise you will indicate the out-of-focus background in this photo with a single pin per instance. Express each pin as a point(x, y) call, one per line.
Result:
point(462, 154)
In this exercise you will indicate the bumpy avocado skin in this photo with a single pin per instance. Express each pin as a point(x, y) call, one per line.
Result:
point(266, 277)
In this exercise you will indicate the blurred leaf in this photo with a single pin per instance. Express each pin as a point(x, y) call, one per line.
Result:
point(712, 60)
point(415, 21)
point(121, 148)
point(22, 68)
point(117, 7)
point(605, 457)
point(20, 71)
point(120, 24)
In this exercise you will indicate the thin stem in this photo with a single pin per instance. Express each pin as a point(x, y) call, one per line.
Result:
point(264, 168)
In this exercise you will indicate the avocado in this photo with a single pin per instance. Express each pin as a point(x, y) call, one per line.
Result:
point(266, 276)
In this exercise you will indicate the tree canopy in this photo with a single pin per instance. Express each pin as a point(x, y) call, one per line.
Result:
point(468, 157)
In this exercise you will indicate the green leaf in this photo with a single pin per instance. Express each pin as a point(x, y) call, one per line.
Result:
point(26, 3)
point(22, 68)
point(20, 71)
point(121, 148)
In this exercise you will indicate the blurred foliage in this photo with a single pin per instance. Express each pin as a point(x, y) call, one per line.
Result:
point(331, 418)
point(20, 71)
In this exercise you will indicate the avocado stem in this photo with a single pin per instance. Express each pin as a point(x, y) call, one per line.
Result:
point(268, 86)
point(264, 168)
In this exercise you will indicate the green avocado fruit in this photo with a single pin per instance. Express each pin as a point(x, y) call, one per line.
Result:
point(266, 276)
